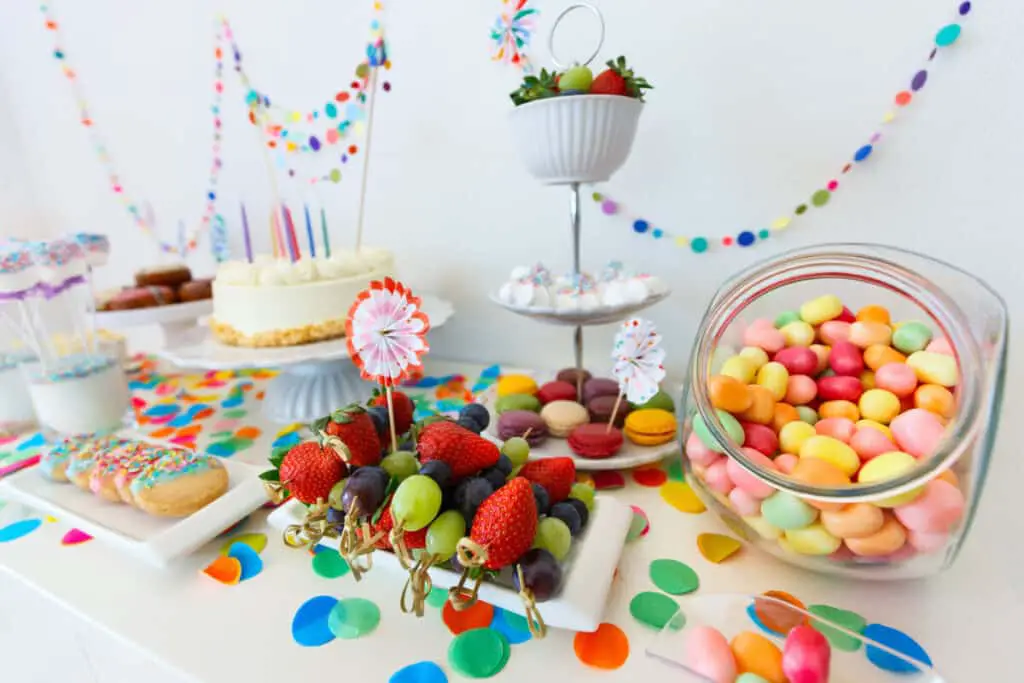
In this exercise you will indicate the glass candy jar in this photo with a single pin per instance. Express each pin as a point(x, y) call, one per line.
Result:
point(905, 516)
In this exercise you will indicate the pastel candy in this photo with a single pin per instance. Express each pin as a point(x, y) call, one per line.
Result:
point(887, 540)
point(787, 512)
point(879, 405)
point(793, 435)
point(877, 355)
point(760, 438)
point(839, 388)
point(855, 520)
point(806, 656)
point(798, 333)
point(926, 542)
point(747, 481)
point(878, 426)
point(890, 466)
point(845, 409)
point(730, 394)
point(697, 452)
point(834, 331)
point(844, 358)
point(918, 432)
point(731, 425)
point(899, 378)
point(756, 654)
point(739, 368)
point(823, 474)
point(763, 527)
point(764, 336)
point(775, 378)
point(786, 462)
point(912, 336)
point(837, 427)
point(708, 654)
point(935, 399)
point(822, 351)
point(798, 360)
point(941, 345)
point(936, 510)
point(869, 443)
point(821, 309)
point(812, 540)
point(717, 477)
point(783, 414)
point(874, 313)
point(762, 407)
point(786, 317)
point(743, 503)
point(801, 390)
point(756, 355)
point(808, 415)
point(864, 333)
point(934, 368)
point(750, 678)
point(833, 451)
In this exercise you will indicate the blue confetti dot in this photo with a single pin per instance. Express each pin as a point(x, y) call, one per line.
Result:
point(657, 233)
point(20, 529)
point(58, 54)
point(248, 558)
point(289, 439)
point(252, 98)
point(947, 35)
point(222, 449)
point(920, 78)
point(420, 672)
point(163, 409)
point(211, 195)
point(491, 372)
point(511, 625)
point(863, 153)
point(309, 625)
point(35, 441)
point(187, 417)
point(745, 238)
point(898, 641)
point(699, 245)
point(331, 109)
point(965, 8)
point(752, 613)
point(316, 115)
point(640, 226)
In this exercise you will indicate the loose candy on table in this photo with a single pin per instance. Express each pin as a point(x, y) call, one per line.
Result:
point(757, 654)
point(806, 656)
point(708, 654)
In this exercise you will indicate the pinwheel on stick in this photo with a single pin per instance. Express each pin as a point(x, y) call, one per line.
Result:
point(639, 363)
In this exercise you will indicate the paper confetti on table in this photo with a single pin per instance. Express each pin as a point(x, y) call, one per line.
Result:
point(248, 558)
point(650, 476)
point(477, 615)
point(19, 529)
point(717, 548)
point(227, 570)
point(309, 625)
point(513, 626)
point(679, 495)
point(75, 537)
point(605, 648)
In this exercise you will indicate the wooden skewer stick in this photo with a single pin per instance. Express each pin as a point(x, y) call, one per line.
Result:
point(615, 411)
point(366, 157)
point(391, 417)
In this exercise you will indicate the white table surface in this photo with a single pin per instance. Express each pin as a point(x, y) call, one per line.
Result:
point(968, 618)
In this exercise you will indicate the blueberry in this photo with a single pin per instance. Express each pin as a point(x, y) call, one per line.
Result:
point(581, 509)
point(567, 513)
point(335, 517)
point(439, 471)
point(504, 464)
point(478, 413)
point(494, 476)
point(470, 494)
point(470, 424)
point(540, 496)
point(379, 415)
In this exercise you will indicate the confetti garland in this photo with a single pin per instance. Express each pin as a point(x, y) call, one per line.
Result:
point(512, 32)
point(326, 127)
point(700, 244)
point(191, 240)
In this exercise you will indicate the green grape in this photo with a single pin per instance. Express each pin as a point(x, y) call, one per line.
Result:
point(583, 493)
point(416, 502)
point(518, 450)
point(444, 533)
point(400, 464)
point(553, 535)
point(334, 497)
point(576, 78)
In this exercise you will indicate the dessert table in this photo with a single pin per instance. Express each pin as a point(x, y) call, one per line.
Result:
point(83, 612)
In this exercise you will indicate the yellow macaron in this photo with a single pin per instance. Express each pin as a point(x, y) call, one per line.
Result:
point(650, 427)
point(516, 384)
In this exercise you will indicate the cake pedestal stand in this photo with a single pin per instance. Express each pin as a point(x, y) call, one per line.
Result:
point(176, 321)
point(315, 379)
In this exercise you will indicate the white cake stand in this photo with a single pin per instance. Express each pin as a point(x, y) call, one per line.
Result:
point(176, 320)
point(315, 379)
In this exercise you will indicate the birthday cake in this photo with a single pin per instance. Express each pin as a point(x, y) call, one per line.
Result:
point(277, 302)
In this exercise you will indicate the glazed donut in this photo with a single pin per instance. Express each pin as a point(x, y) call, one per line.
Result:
point(141, 297)
point(196, 290)
point(163, 276)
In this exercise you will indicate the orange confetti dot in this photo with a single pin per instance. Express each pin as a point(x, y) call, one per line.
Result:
point(352, 149)
point(161, 433)
point(191, 430)
point(271, 143)
point(52, 25)
point(903, 98)
point(86, 122)
point(225, 569)
point(478, 615)
point(252, 117)
point(605, 648)
point(218, 53)
point(779, 618)
point(248, 433)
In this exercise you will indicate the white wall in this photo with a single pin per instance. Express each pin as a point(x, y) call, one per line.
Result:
point(757, 104)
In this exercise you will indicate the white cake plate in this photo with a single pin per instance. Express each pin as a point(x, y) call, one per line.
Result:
point(315, 379)
point(176, 320)
point(599, 316)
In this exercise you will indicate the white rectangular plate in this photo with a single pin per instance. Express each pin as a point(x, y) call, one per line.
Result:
point(156, 540)
point(587, 572)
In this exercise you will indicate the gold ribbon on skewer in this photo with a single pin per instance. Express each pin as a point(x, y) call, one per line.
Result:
point(312, 529)
point(397, 539)
point(471, 556)
point(357, 543)
point(534, 620)
point(419, 583)
point(275, 492)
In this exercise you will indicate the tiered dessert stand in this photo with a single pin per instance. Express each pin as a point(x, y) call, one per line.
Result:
point(604, 127)
point(315, 379)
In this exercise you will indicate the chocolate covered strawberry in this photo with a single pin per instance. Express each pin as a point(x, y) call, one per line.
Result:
point(505, 524)
point(556, 475)
point(464, 451)
point(355, 429)
point(309, 471)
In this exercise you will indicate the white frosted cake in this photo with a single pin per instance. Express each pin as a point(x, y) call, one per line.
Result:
point(280, 303)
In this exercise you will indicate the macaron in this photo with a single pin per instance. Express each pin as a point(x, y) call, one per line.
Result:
point(516, 384)
point(660, 401)
point(523, 423)
point(595, 441)
point(599, 386)
point(562, 417)
point(570, 374)
point(600, 410)
point(650, 427)
point(517, 402)
point(556, 391)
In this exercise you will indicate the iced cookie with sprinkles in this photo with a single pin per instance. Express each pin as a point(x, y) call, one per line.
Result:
point(179, 483)
point(131, 468)
point(78, 468)
point(54, 463)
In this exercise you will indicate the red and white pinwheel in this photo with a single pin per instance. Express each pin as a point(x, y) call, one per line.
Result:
point(386, 332)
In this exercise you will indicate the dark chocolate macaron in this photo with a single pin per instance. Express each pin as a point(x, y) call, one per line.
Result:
point(595, 441)
point(599, 386)
point(524, 423)
point(556, 391)
point(600, 410)
point(569, 375)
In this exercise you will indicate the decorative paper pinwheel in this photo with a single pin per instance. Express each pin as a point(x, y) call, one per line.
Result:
point(639, 360)
point(511, 34)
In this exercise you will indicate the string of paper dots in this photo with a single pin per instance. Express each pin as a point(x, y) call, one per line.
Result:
point(700, 244)
point(189, 241)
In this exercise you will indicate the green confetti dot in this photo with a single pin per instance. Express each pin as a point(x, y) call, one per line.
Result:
point(353, 617)
point(947, 35)
point(801, 210)
point(851, 621)
point(597, 196)
point(675, 471)
point(335, 175)
point(699, 245)
point(236, 414)
point(674, 577)
point(437, 597)
point(764, 234)
point(331, 110)
point(655, 610)
point(363, 70)
point(479, 653)
point(820, 198)
point(329, 564)
point(636, 527)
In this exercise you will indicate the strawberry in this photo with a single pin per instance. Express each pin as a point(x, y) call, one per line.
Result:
point(414, 540)
point(354, 428)
point(608, 83)
point(402, 406)
point(556, 475)
point(619, 79)
point(506, 523)
point(465, 452)
point(310, 470)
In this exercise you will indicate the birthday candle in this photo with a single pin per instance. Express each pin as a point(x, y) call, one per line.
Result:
point(275, 233)
point(290, 241)
point(309, 232)
point(246, 236)
point(323, 229)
